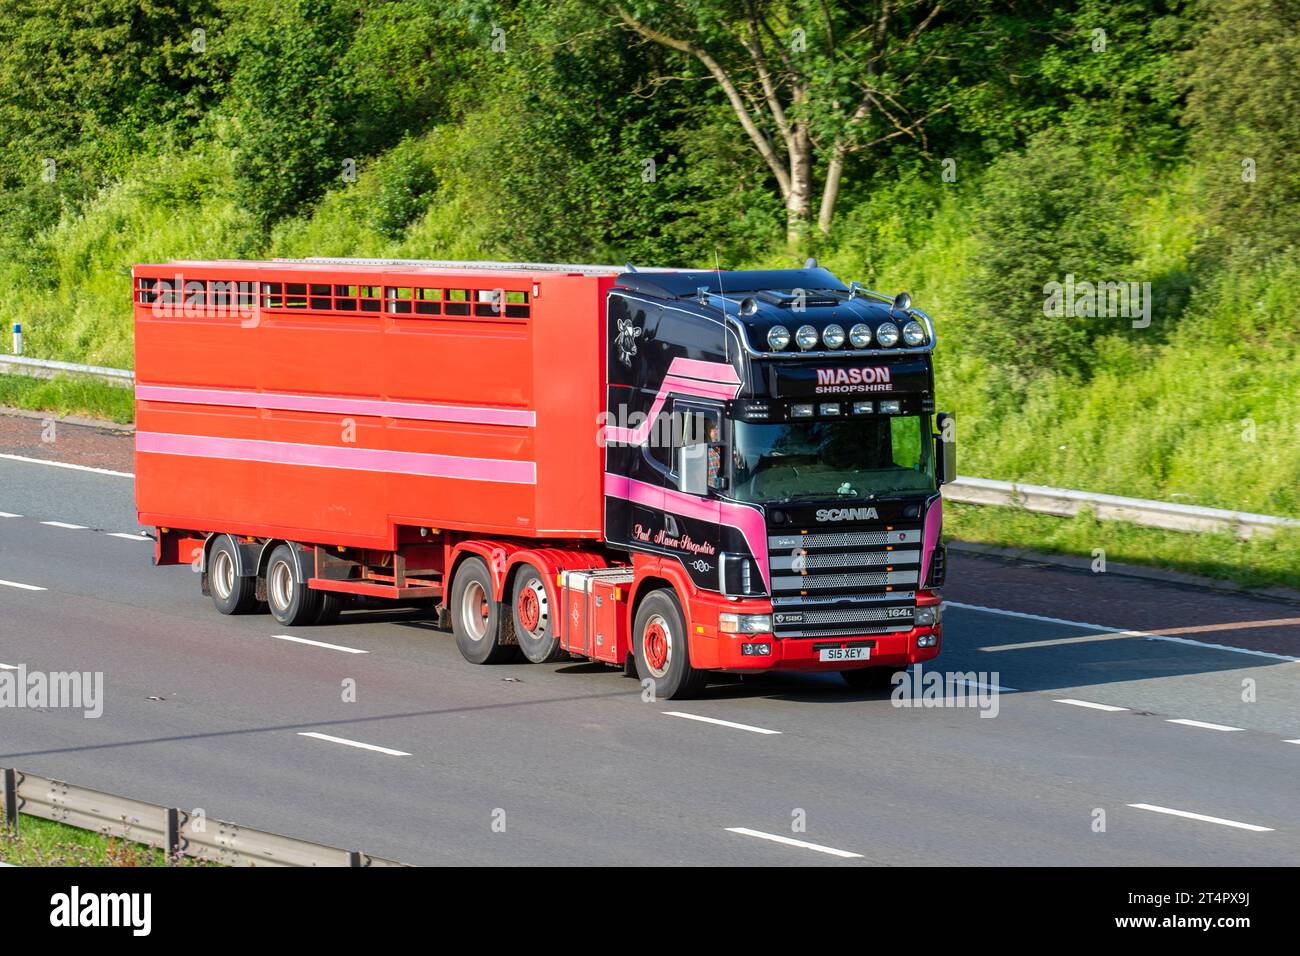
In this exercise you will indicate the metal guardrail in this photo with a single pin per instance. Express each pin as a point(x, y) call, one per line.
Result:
point(1066, 503)
point(48, 368)
point(174, 831)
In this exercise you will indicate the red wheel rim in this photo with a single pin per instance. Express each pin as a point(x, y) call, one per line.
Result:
point(530, 613)
point(656, 646)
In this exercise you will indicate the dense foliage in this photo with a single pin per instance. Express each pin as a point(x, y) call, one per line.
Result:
point(978, 150)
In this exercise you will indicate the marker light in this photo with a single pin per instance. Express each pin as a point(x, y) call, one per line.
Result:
point(801, 411)
point(806, 337)
point(833, 336)
point(914, 333)
point(887, 334)
point(860, 335)
point(778, 337)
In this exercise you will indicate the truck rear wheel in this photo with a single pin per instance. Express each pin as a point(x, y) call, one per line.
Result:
point(534, 623)
point(659, 642)
point(231, 593)
point(477, 619)
point(292, 603)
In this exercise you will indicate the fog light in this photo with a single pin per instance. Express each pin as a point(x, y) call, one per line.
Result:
point(863, 408)
point(756, 650)
point(801, 411)
point(830, 408)
point(890, 408)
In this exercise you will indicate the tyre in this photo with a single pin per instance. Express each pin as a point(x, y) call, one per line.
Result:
point(659, 642)
point(534, 621)
point(331, 606)
point(871, 678)
point(230, 593)
point(292, 603)
point(482, 631)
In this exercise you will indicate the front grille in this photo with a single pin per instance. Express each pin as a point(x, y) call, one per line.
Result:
point(837, 583)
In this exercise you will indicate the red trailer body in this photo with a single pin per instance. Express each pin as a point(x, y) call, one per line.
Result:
point(341, 426)
point(313, 429)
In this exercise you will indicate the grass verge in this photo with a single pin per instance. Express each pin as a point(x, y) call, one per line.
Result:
point(69, 395)
point(46, 843)
point(1272, 561)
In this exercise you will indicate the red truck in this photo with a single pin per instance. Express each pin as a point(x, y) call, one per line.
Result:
point(677, 472)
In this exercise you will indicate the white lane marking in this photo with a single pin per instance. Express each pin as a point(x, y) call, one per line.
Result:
point(9, 514)
point(355, 743)
point(21, 586)
point(720, 723)
point(64, 464)
point(1202, 817)
point(1119, 631)
point(64, 524)
point(328, 647)
point(128, 537)
point(1087, 703)
point(8, 667)
point(1202, 724)
point(1291, 741)
point(788, 841)
point(980, 685)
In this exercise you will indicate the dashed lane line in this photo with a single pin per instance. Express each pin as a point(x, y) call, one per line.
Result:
point(790, 841)
point(354, 743)
point(1203, 725)
point(63, 464)
point(1089, 704)
point(21, 586)
point(1203, 818)
point(311, 643)
point(720, 723)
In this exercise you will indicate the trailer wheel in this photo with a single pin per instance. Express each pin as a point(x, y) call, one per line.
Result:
point(477, 619)
point(230, 593)
point(533, 619)
point(331, 606)
point(871, 678)
point(292, 603)
point(659, 642)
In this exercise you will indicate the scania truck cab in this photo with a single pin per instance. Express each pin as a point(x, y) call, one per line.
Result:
point(772, 437)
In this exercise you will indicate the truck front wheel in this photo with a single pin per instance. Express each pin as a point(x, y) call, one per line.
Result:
point(659, 642)
point(533, 620)
point(481, 629)
point(292, 603)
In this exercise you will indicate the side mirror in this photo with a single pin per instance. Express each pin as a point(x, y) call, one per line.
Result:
point(946, 445)
point(693, 468)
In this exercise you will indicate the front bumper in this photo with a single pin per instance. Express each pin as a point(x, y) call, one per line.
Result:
point(898, 649)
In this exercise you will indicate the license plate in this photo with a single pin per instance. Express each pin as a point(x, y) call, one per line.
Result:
point(844, 654)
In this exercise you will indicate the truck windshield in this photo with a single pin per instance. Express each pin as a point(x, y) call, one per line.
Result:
point(849, 457)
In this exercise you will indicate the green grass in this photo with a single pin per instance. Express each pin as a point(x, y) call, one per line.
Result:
point(69, 395)
point(1272, 561)
point(46, 843)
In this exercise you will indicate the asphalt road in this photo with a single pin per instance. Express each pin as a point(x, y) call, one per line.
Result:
point(208, 711)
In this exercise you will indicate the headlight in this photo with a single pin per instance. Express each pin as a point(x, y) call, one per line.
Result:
point(914, 333)
point(778, 337)
point(745, 623)
point(887, 334)
point(860, 335)
point(806, 337)
point(833, 336)
point(924, 617)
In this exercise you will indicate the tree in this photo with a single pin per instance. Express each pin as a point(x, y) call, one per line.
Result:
point(812, 82)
